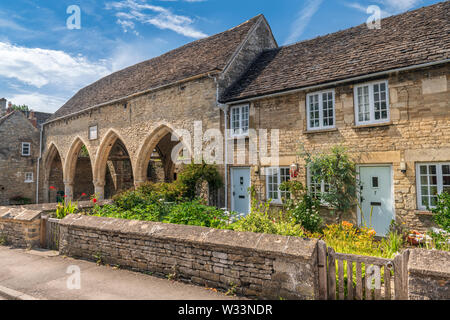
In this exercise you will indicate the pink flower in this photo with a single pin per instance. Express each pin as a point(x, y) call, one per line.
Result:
point(52, 188)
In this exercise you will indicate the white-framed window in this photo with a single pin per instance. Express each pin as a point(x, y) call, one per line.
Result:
point(320, 110)
point(316, 187)
point(274, 178)
point(26, 149)
point(93, 133)
point(28, 177)
point(372, 103)
point(432, 180)
point(240, 116)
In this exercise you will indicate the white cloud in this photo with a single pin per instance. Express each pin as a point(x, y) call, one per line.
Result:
point(40, 67)
point(38, 101)
point(160, 17)
point(388, 7)
point(397, 6)
point(303, 19)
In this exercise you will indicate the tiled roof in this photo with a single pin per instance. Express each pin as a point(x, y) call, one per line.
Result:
point(413, 38)
point(196, 58)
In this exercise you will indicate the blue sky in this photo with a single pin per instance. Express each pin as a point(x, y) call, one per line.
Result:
point(43, 63)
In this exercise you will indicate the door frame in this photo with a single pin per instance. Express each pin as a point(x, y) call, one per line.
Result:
point(232, 185)
point(391, 167)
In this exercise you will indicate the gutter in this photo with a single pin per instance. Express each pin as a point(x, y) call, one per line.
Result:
point(134, 95)
point(335, 83)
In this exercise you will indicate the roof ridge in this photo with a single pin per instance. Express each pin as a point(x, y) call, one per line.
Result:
point(392, 17)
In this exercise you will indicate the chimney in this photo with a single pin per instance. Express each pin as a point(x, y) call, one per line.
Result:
point(32, 118)
point(2, 106)
point(9, 109)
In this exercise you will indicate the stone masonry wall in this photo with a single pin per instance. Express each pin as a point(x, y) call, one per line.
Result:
point(418, 132)
point(13, 166)
point(429, 275)
point(20, 227)
point(255, 265)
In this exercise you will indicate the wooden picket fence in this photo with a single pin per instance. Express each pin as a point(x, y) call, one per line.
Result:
point(361, 277)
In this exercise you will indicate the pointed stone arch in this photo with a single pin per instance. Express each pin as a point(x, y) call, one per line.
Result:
point(53, 180)
point(147, 148)
point(78, 171)
point(111, 140)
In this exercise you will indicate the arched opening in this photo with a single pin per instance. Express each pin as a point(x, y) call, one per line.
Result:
point(161, 167)
point(53, 179)
point(83, 186)
point(79, 175)
point(119, 171)
point(161, 157)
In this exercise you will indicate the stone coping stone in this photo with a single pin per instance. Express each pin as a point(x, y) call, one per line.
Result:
point(19, 214)
point(429, 263)
point(264, 243)
point(48, 207)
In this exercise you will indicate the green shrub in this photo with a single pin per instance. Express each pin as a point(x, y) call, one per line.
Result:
point(193, 174)
point(303, 208)
point(168, 192)
point(442, 212)
point(63, 209)
point(306, 213)
point(260, 221)
point(195, 213)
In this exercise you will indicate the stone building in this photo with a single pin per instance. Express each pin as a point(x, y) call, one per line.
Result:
point(19, 154)
point(381, 93)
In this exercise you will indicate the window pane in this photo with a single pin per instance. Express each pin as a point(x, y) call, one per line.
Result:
point(363, 104)
point(446, 169)
point(245, 119)
point(328, 109)
point(314, 111)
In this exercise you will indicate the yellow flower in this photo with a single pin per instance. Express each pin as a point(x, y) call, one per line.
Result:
point(372, 232)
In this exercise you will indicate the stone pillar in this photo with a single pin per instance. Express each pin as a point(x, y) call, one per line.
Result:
point(68, 190)
point(99, 187)
point(46, 191)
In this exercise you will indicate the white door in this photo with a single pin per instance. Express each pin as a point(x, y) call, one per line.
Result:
point(240, 194)
point(376, 198)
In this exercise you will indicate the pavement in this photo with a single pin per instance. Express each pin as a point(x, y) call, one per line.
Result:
point(42, 275)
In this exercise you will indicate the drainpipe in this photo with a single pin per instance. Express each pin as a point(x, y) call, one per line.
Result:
point(41, 128)
point(224, 108)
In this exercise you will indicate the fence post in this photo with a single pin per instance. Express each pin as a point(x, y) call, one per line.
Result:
point(43, 235)
point(401, 275)
point(331, 275)
point(322, 264)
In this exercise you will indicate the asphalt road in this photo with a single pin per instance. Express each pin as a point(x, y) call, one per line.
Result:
point(45, 275)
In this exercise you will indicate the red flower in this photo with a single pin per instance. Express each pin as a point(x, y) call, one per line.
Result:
point(52, 188)
point(94, 200)
point(83, 194)
point(65, 196)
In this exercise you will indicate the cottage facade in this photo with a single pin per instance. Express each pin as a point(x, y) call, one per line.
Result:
point(383, 94)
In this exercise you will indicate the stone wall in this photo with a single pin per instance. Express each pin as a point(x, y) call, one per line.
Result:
point(429, 275)
point(13, 131)
point(418, 132)
point(20, 227)
point(254, 265)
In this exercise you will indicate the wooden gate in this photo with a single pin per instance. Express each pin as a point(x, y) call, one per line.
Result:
point(354, 277)
point(50, 233)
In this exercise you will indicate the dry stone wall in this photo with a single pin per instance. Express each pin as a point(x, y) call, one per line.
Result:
point(254, 265)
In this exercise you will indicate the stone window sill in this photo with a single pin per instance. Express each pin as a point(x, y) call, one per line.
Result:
point(373, 125)
point(319, 131)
